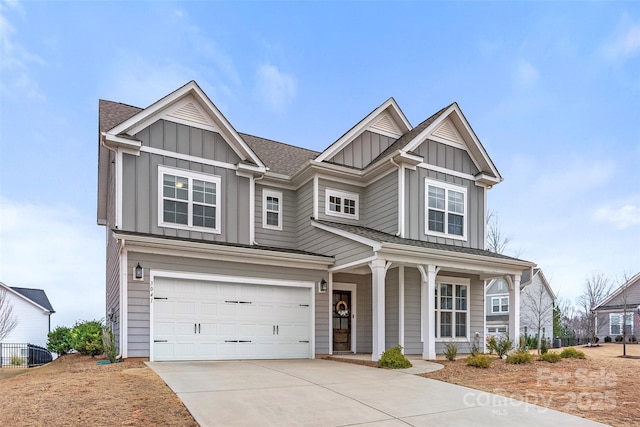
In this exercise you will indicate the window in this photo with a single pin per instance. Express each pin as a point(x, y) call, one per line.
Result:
point(188, 200)
point(615, 323)
point(340, 203)
point(446, 209)
point(500, 304)
point(272, 209)
point(452, 313)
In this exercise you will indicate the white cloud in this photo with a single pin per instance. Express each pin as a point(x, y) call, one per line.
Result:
point(623, 43)
point(57, 249)
point(16, 63)
point(621, 217)
point(526, 74)
point(275, 88)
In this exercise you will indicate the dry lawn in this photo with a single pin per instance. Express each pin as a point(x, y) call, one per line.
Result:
point(74, 390)
point(603, 387)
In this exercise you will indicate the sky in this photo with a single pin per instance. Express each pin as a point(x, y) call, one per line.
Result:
point(552, 89)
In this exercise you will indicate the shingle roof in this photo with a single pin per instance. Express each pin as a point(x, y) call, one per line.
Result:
point(36, 295)
point(382, 237)
point(280, 158)
point(113, 113)
point(409, 136)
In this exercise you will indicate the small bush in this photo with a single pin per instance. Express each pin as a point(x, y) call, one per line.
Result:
point(607, 339)
point(394, 359)
point(518, 357)
point(500, 346)
point(619, 338)
point(633, 338)
point(544, 346)
point(479, 361)
point(109, 344)
point(18, 360)
point(451, 351)
point(60, 340)
point(572, 353)
point(551, 357)
point(86, 337)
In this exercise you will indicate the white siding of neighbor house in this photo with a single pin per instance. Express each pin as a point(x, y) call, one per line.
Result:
point(532, 308)
point(33, 323)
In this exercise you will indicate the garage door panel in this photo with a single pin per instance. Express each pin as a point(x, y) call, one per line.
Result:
point(213, 320)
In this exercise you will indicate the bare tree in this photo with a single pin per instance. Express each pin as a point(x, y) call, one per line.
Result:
point(538, 308)
point(497, 241)
point(626, 310)
point(7, 320)
point(596, 288)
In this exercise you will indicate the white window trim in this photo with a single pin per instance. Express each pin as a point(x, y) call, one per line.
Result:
point(276, 194)
point(499, 305)
point(342, 195)
point(453, 281)
point(622, 322)
point(191, 176)
point(447, 186)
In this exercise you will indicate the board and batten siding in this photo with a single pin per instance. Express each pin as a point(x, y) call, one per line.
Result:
point(381, 204)
point(285, 238)
point(415, 213)
point(138, 291)
point(362, 150)
point(140, 182)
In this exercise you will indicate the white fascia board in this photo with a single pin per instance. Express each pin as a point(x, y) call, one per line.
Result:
point(375, 245)
point(146, 116)
point(155, 245)
point(352, 133)
point(115, 141)
point(545, 282)
point(488, 266)
point(256, 170)
point(19, 295)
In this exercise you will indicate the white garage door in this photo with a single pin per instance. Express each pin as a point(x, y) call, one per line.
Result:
point(198, 320)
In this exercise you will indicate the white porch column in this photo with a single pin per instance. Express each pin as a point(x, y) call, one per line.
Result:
point(378, 269)
point(427, 302)
point(514, 310)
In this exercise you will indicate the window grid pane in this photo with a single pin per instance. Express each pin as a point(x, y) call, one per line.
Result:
point(445, 324)
point(335, 204)
point(436, 221)
point(349, 206)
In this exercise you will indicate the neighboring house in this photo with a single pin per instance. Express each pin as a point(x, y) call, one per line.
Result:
point(610, 314)
point(32, 311)
point(537, 300)
point(224, 245)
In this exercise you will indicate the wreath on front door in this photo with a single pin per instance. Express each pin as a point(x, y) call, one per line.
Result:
point(342, 309)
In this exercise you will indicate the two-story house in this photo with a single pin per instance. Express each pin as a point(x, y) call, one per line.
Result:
point(223, 245)
point(537, 301)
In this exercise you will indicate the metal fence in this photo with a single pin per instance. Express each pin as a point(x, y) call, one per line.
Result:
point(14, 355)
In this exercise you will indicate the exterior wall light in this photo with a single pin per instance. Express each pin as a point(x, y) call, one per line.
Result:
point(322, 286)
point(138, 272)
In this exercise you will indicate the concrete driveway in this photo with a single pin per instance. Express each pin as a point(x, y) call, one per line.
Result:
point(329, 393)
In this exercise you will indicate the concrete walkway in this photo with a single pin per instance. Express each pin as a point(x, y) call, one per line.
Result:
point(330, 393)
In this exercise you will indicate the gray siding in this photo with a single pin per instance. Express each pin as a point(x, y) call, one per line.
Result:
point(325, 243)
point(140, 186)
point(138, 292)
point(446, 156)
point(493, 291)
point(536, 308)
point(415, 210)
point(285, 238)
point(391, 308)
point(381, 204)
point(412, 327)
point(323, 184)
point(362, 150)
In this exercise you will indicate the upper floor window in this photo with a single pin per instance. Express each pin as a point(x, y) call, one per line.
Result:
point(452, 309)
point(500, 304)
point(340, 203)
point(188, 200)
point(446, 209)
point(272, 209)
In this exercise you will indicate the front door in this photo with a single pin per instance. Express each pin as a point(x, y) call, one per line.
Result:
point(342, 320)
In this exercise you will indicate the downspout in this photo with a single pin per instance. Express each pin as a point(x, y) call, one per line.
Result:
point(400, 232)
point(252, 202)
